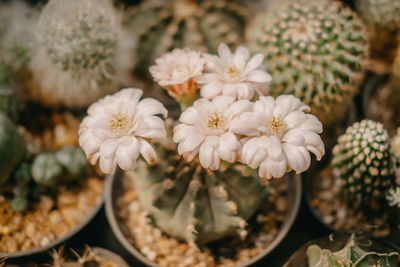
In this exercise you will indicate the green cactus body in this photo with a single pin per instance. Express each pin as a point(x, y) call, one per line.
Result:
point(8, 98)
point(46, 170)
point(73, 161)
point(12, 147)
point(381, 13)
point(196, 205)
point(350, 256)
point(82, 53)
point(315, 50)
point(202, 25)
point(362, 161)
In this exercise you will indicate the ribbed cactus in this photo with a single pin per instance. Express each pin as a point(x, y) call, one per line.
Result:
point(381, 13)
point(162, 25)
point(12, 147)
point(193, 204)
point(350, 256)
point(82, 53)
point(8, 97)
point(315, 50)
point(363, 162)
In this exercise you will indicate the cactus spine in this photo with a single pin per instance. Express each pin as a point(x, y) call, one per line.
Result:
point(82, 53)
point(201, 25)
point(363, 162)
point(315, 50)
point(351, 255)
point(194, 204)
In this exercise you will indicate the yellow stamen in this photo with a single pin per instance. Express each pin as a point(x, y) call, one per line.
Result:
point(216, 121)
point(119, 123)
point(232, 71)
point(277, 125)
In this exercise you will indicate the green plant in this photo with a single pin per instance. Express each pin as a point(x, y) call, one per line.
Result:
point(194, 204)
point(362, 161)
point(350, 256)
point(162, 25)
point(8, 98)
point(12, 147)
point(381, 13)
point(315, 50)
point(82, 53)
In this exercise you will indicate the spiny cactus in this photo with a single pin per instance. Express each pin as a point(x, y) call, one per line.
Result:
point(82, 53)
point(381, 13)
point(162, 25)
point(17, 22)
point(315, 50)
point(350, 256)
point(8, 97)
point(193, 204)
point(12, 147)
point(363, 162)
point(49, 168)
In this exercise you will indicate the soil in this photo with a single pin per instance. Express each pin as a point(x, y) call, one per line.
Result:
point(231, 251)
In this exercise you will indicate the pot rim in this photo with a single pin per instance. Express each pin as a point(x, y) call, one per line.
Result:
point(283, 231)
point(73, 231)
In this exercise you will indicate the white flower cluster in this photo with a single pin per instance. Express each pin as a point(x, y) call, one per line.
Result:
point(273, 135)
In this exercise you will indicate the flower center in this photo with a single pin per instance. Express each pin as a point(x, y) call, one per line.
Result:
point(277, 125)
point(119, 123)
point(216, 121)
point(232, 71)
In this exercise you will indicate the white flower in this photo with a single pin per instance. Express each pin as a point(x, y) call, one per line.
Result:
point(177, 72)
point(234, 74)
point(204, 130)
point(117, 128)
point(279, 136)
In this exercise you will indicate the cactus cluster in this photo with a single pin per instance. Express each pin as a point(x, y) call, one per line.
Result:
point(315, 50)
point(351, 255)
point(362, 160)
point(81, 54)
point(380, 13)
point(194, 204)
point(198, 24)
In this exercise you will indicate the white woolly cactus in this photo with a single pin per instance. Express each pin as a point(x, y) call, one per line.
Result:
point(380, 13)
point(81, 54)
point(207, 186)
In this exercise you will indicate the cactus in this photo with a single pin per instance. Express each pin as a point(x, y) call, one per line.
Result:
point(363, 162)
point(315, 50)
point(193, 204)
point(381, 13)
point(82, 53)
point(46, 170)
point(73, 161)
point(8, 98)
point(17, 22)
point(202, 25)
point(350, 256)
point(12, 147)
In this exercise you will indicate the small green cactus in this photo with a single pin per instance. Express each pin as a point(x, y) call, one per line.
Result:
point(196, 205)
point(82, 53)
point(381, 13)
point(46, 170)
point(12, 147)
point(363, 162)
point(350, 256)
point(73, 161)
point(162, 25)
point(315, 50)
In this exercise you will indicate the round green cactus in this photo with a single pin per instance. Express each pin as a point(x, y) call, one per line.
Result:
point(162, 25)
point(193, 204)
point(381, 13)
point(315, 50)
point(363, 162)
point(82, 53)
point(12, 147)
point(46, 170)
point(73, 160)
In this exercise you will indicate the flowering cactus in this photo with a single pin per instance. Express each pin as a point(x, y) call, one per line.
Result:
point(198, 191)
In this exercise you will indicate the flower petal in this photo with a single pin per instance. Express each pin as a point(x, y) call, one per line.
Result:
point(127, 153)
point(147, 151)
